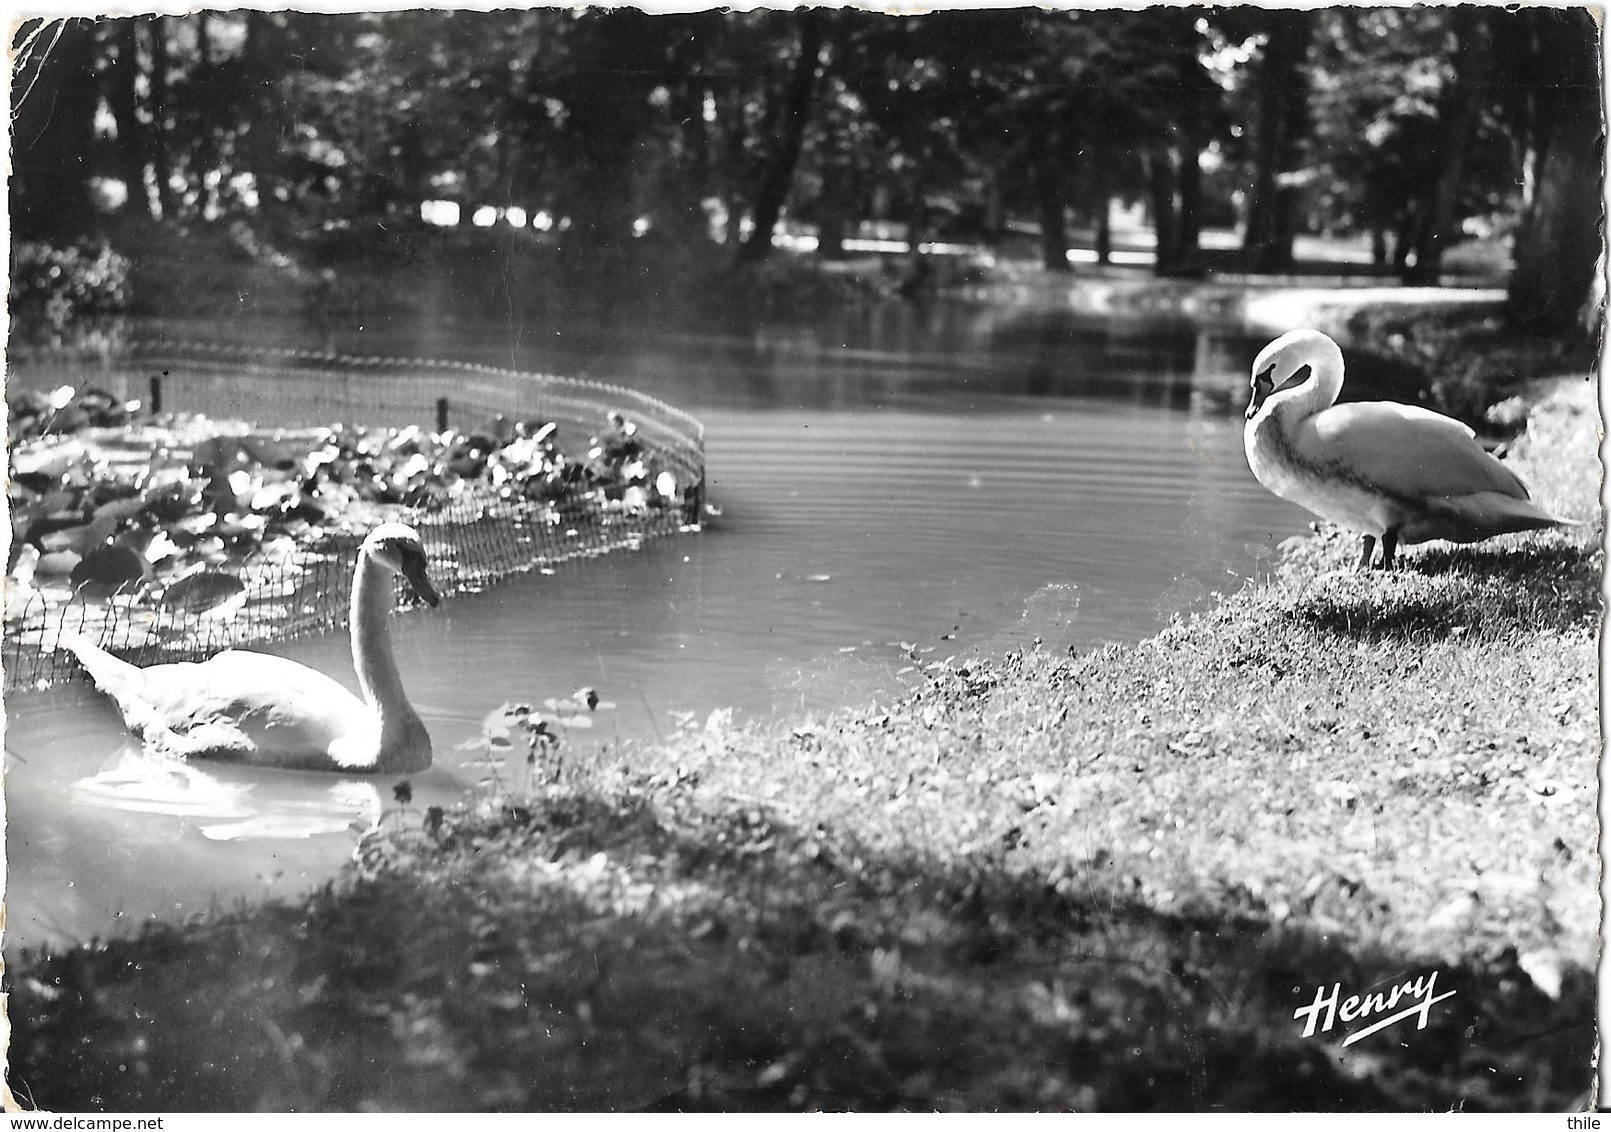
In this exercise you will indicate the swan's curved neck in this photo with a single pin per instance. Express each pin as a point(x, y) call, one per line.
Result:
point(372, 655)
point(1321, 392)
point(1289, 407)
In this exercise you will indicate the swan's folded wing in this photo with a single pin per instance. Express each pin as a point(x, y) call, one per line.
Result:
point(275, 704)
point(1407, 451)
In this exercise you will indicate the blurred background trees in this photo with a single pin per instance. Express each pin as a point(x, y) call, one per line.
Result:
point(1415, 127)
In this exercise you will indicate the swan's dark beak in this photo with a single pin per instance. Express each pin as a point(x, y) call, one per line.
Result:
point(1263, 383)
point(414, 569)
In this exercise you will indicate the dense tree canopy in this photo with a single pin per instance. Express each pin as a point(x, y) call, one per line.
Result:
point(1415, 125)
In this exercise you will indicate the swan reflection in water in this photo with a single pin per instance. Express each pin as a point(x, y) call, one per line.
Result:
point(232, 803)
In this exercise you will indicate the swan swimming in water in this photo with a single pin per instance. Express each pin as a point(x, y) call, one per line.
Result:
point(258, 708)
point(1398, 473)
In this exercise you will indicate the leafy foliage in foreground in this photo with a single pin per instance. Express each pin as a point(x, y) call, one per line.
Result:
point(643, 949)
point(1094, 882)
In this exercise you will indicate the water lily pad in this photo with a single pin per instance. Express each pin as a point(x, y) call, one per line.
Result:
point(237, 525)
point(416, 465)
point(74, 538)
point(279, 550)
point(108, 569)
point(276, 496)
point(203, 591)
point(160, 547)
point(583, 700)
point(59, 562)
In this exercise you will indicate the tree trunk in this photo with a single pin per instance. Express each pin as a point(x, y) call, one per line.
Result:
point(1378, 247)
point(779, 176)
point(1161, 183)
point(995, 210)
point(1405, 237)
point(413, 167)
point(1188, 237)
point(122, 99)
point(833, 213)
point(161, 157)
point(53, 100)
point(205, 158)
point(1049, 196)
point(1278, 125)
point(690, 179)
point(1104, 208)
point(730, 132)
point(1557, 250)
point(261, 147)
point(1459, 116)
point(919, 267)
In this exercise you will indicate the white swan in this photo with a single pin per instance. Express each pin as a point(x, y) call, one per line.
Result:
point(1393, 472)
point(264, 709)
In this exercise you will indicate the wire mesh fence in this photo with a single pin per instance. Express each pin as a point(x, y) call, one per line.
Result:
point(477, 531)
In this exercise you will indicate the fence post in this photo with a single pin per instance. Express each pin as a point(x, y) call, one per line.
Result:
point(441, 414)
point(156, 393)
point(693, 507)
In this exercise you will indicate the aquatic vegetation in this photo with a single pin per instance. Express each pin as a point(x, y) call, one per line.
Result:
point(34, 412)
point(133, 518)
point(543, 735)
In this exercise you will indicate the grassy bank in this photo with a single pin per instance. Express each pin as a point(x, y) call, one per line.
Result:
point(1102, 881)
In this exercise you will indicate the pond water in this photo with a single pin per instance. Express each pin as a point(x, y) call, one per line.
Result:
point(946, 476)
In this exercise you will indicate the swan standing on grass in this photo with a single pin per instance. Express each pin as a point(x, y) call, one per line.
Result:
point(1393, 472)
point(257, 708)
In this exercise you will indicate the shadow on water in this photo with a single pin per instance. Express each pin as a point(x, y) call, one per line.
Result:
point(872, 355)
point(939, 354)
point(695, 958)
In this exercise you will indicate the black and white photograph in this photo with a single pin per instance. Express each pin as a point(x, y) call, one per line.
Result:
point(844, 558)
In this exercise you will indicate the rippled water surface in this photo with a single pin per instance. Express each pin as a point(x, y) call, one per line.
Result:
point(950, 477)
